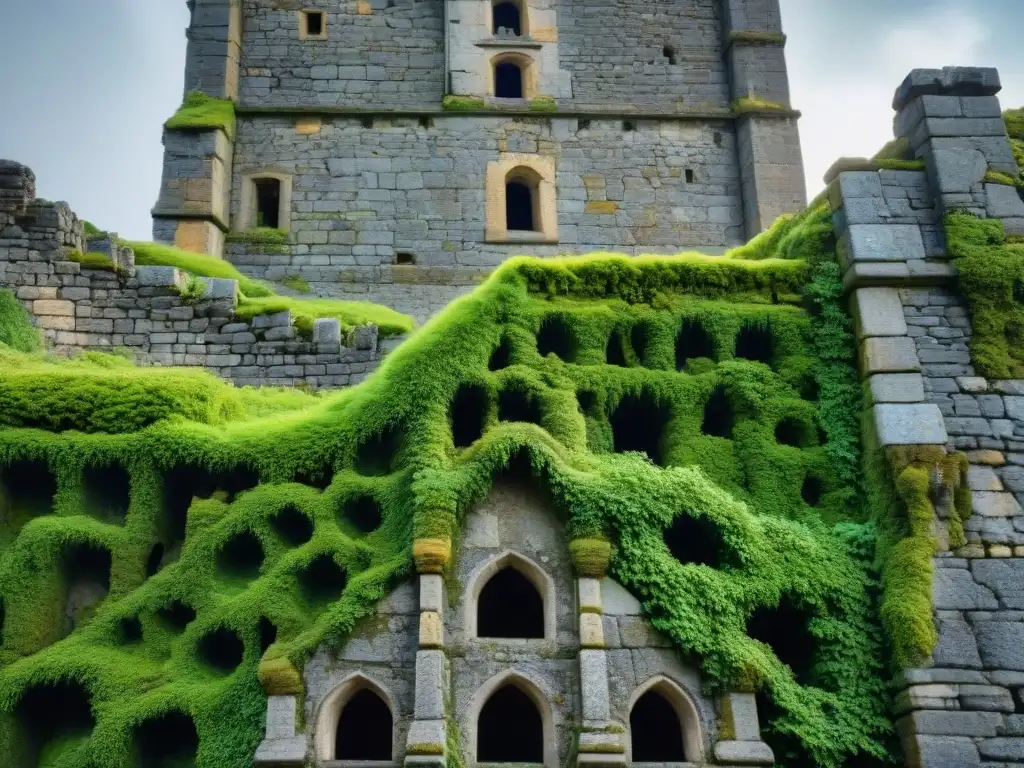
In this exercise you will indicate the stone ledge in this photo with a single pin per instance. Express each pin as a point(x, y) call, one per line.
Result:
point(952, 81)
point(744, 753)
point(909, 425)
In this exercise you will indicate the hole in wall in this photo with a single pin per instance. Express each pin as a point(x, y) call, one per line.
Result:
point(638, 424)
point(588, 402)
point(497, 742)
point(811, 491)
point(51, 720)
point(292, 526)
point(129, 630)
point(27, 491)
point(167, 741)
point(184, 483)
point(507, 20)
point(321, 580)
point(628, 126)
point(790, 431)
point(267, 631)
point(241, 556)
point(86, 570)
point(656, 735)
point(509, 587)
point(717, 138)
point(364, 729)
point(320, 478)
point(557, 338)
point(669, 53)
point(268, 202)
point(614, 353)
point(692, 342)
point(639, 337)
point(155, 560)
point(519, 206)
point(3, 616)
point(107, 492)
point(367, 122)
point(518, 405)
point(363, 512)
point(468, 414)
point(718, 417)
point(222, 649)
point(785, 628)
point(508, 80)
point(378, 454)
point(690, 176)
point(177, 615)
point(756, 343)
point(405, 258)
point(809, 388)
point(502, 356)
point(426, 122)
point(695, 540)
point(583, 124)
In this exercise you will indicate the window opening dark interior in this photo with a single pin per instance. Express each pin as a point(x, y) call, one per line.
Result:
point(510, 729)
point(507, 588)
point(404, 257)
point(628, 125)
point(364, 729)
point(268, 203)
point(669, 53)
point(507, 20)
point(519, 207)
point(508, 81)
point(655, 731)
point(314, 24)
point(689, 176)
point(167, 741)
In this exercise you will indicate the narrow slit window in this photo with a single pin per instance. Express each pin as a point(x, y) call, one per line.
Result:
point(268, 203)
point(507, 20)
point(508, 80)
point(689, 176)
point(519, 206)
point(315, 23)
point(669, 53)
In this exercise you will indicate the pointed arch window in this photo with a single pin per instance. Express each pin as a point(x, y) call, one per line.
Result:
point(664, 725)
point(510, 580)
point(356, 722)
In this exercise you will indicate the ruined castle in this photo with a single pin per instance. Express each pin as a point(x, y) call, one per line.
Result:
point(410, 146)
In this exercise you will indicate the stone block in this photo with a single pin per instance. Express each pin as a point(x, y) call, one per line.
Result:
point(1003, 202)
point(881, 242)
point(594, 685)
point(159, 277)
point(589, 595)
point(951, 81)
point(601, 741)
point(986, 698)
point(1001, 645)
point(426, 737)
point(591, 630)
point(366, 337)
point(993, 504)
point(744, 753)
point(938, 751)
point(326, 330)
point(896, 388)
point(981, 478)
point(617, 601)
point(740, 712)
point(275, 320)
point(896, 354)
point(950, 723)
point(973, 385)
point(431, 592)
point(954, 589)
point(957, 646)
point(956, 171)
point(53, 308)
point(431, 630)
point(281, 752)
point(280, 717)
point(909, 424)
point(1014, 407)
point(220, 288)
point(878, 312)
point(431, 674)
point(1003, 749)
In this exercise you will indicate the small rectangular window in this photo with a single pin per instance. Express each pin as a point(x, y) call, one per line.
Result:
point(268, 203)
point(405, 258)
point(314, 23)
point(689, 176)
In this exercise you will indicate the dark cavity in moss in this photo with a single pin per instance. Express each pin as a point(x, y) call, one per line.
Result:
point(107, 492)
point(184, 483)
point(693, 342)
point(468, 414)
point(3, 616)
point(363, 512)
point(267, 631)
point(515, 404)
point(241, 555)
point(378, 455)
point(292, 526)
point(756, 343)
point(177, 615)
point(28, 489)
point(792, 432)
point(785, 629)
point(222, 649)
point(718, 418)
point(638, 424)
point(614, 353)
point(640, 338)
point(167, 741)
point(502, 355)
point(556, 337)
point(155, 560)
point(129, 630)
point(319, 478)
point(322, 580)
point(811, 491)
point(810, 390)
point(86, 570)
point(695, 540)
point(588, 402)
point(49, 712)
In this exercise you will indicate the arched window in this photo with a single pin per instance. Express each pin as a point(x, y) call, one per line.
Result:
point(508, 80)
point(664, 726)
point(508, 587)
point(507, 19)
point(364, 729)
point(510, 728)
point(521, 201)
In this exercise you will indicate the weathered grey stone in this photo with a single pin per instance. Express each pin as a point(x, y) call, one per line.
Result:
point(589, 594)
point(881, 242)
point(909, 424)
point(990, 504)
point(159, 277)
point(220, 288)
point(878, 312)
point(951, 723)
point(1005, 578)
point(972, 384)
point(980, 478)
point(896, 388)
point(957, 81)
point(594, 685)
point(327, 330)
point(430, 684)
point(281, 752)
point(617, 601)
point(957, 646)
point(1003, 202)
point(425, 734)
point(275, 320)
point(954, 589)
point(744, 753)
point(1001, 644)
point(987, 698)
point(431, 592)
point(741, 708)
point(941, 751)
point(896, 354)
point(1003, 749)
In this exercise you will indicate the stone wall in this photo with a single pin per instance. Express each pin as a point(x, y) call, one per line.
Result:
point(148, 310)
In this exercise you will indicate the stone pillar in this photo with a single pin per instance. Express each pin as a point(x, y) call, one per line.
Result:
point(768, 140)
point(600, 739)
point(214, 48)
point(740, 722)
point(428, 735)
point(281, 745)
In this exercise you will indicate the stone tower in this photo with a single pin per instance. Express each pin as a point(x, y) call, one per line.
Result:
point(410, 146)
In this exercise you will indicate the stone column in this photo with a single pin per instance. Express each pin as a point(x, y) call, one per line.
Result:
point(214, 48)
point(600, 739)
point(427, 741)
point(281, 745)
point(739, 721)
point(768, 140)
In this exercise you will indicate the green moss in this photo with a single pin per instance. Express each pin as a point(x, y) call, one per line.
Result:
point(16, 329)
point(777, 347)
point(1014, 119)
point(543, 104)
point(202, 112)
point(897, 149)
point(452, 103)
point(90, 228)
point(93, 260)
point(999, 177)
point(297, 284)
point(747, 104)
point(901, 165)
point(749, 36)
point(590, 557)
point(259, 236)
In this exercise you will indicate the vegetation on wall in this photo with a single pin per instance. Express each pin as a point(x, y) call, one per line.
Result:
point(697, 414)
point(201, 112)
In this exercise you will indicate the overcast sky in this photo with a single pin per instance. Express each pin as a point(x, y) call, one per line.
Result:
point(86, 84)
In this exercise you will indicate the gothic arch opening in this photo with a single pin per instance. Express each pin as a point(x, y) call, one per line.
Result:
point(364, 729)
point(497, 741)
point(664, 725)
point(509, 587)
